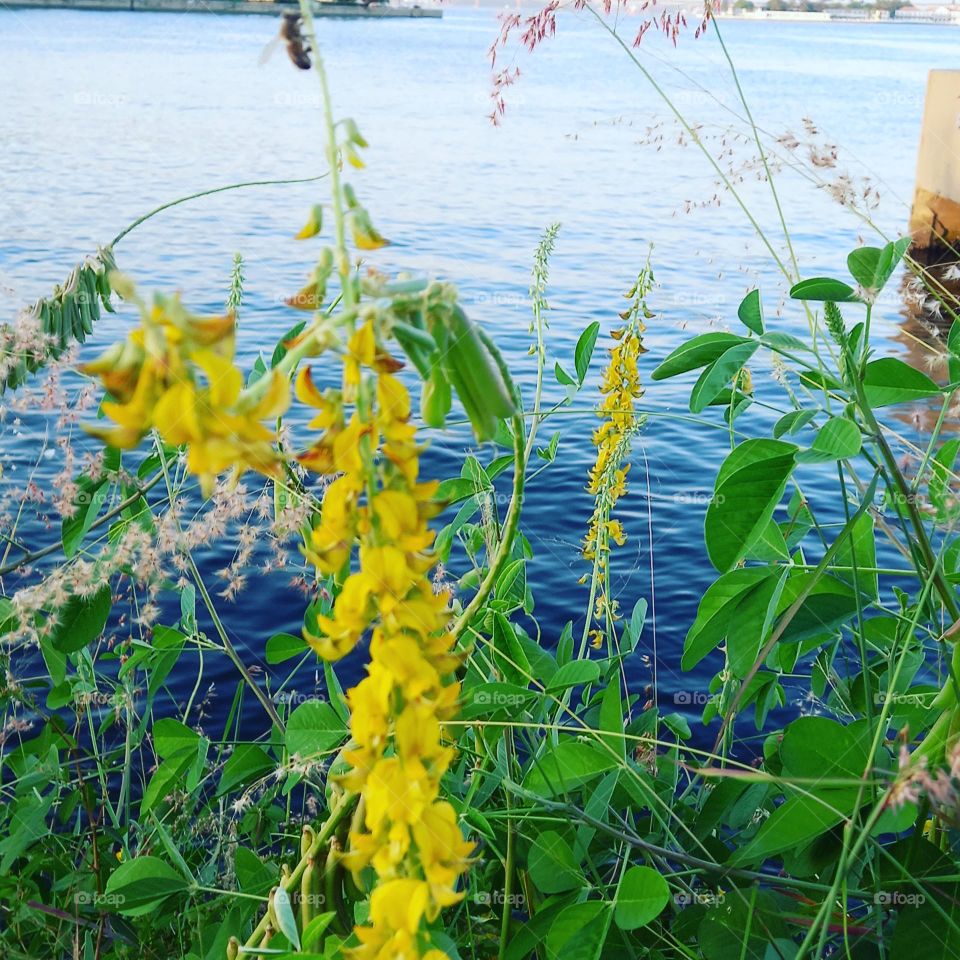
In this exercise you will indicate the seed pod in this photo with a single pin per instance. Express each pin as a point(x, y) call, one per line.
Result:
point(478, 369)
point(435, 398)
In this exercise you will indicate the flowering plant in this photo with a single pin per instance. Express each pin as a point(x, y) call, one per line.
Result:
point(484, 789)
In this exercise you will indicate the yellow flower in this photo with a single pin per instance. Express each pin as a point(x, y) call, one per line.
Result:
point(393, 796)
point(361, 352)
point(331, 540)
point(444, 853)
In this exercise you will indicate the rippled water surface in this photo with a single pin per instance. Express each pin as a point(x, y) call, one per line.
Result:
point(106, 115)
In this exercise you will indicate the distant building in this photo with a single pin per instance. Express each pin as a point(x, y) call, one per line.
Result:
point(929, 13)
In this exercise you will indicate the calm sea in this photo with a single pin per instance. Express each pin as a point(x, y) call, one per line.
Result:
point(106, 115)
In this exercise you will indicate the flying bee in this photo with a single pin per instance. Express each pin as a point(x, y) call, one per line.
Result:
point(297, 47)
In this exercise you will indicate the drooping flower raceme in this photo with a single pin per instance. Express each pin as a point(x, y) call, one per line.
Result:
point(175, 373)
point(399, 753)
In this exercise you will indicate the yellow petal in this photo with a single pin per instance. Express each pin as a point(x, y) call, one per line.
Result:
point(313, 225)
point(175, 414)
point(226, 381)
point(276, 400)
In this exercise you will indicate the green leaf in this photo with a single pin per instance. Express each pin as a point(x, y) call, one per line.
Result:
point(716, 376)
point(314, 728)
point(552, 865)
point(829, 604)
point(171, 737)
point(696, 353)
point(953, 345)
point(574, 674)
point(714, 614)
point(563, 378)
point(512, 583)
point(781, 342)
point(941, 476)
point(926, 929)
point(283, 646)
point(750, 312)
point(611, 717)
point(455, 489)
point(642, 897)
point(631, 635)
point(509, 655)
point(890, 380)
point(247, 763)
point(859, 551)
point(751, 622)
point(872, 267)
point(815, 747)
point(793, 422)
point(316, 928)
point(749, 486)
point(579, 932)
point(487, 698)
point(81, 620)
point(584, 350)
point(566, 766)
point(141, 885)
point(838, 439)
point(89, 500)
point(824, 288)
point(164, 780)
point(677, 723)
point(167, 646)
point(797, 821)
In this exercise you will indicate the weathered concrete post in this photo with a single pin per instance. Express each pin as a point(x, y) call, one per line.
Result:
point(935, 219)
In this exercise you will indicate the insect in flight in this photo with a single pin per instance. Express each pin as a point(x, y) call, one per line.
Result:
point(297, 47)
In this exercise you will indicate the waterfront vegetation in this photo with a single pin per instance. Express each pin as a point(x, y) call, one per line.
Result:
point(485, 790)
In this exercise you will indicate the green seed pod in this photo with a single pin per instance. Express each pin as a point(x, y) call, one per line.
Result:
point(435, 398)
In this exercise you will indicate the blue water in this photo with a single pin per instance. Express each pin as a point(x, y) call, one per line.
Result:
point(106, 115)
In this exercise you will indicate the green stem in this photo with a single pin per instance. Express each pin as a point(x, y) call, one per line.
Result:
point(333, 160)
point(207, 193)
point(510, 524)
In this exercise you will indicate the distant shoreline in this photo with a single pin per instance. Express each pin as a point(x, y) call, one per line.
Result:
point(262, 7)
point(838, 15)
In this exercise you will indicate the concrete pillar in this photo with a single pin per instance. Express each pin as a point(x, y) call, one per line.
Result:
point(935, 219)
